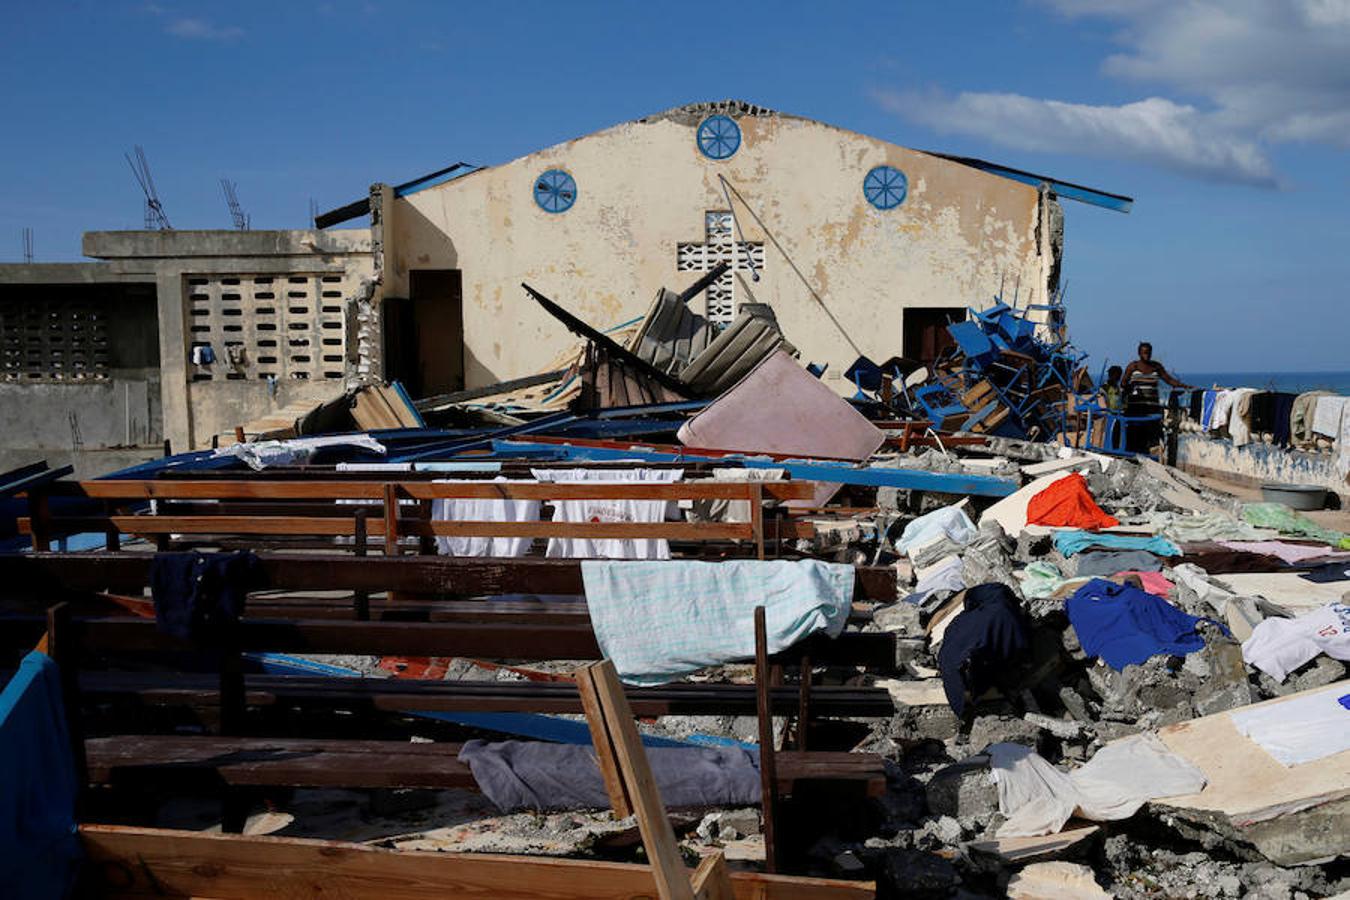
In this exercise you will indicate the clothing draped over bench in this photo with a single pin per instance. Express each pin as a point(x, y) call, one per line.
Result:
point(633, 511)
point(39, 851)
point(475, 509)
point(197, 594)
point(658, 621)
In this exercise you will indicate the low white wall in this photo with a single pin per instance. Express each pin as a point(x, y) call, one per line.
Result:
point(1260, 463)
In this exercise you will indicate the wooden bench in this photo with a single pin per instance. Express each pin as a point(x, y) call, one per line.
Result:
point(73, 640)
point(416, 591)
point(380, 509)
point(196, 761)
point(419, 577)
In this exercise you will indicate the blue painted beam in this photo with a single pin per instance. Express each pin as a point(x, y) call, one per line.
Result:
point(1081, 193)
point(804, 470)
point(440, 176)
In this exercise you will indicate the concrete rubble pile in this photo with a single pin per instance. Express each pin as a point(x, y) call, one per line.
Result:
point(943, 822)
point(940, 829)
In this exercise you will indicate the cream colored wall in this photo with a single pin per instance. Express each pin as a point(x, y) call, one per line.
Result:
point(643, 187)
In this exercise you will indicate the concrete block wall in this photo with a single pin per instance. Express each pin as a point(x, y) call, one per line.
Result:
point(283, 299)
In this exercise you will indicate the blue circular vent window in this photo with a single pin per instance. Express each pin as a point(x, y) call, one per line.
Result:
point(555, 191)
point(885, 187)
point(719, 137)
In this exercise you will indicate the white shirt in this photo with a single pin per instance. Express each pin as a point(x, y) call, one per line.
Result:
point(1279, 646)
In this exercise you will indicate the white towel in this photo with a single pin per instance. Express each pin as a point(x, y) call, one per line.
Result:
point(1327, 415)
point(1038, 798)
point(479, 510)
point(609, 511)
point(1240, 417)
point(1302, 730)
point(1223, 403)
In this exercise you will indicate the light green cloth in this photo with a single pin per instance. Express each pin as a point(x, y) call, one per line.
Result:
point(1040, 579)
point(1210, 526)
point(1287, 521)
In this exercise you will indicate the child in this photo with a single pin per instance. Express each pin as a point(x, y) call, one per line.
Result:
point(1113, 397)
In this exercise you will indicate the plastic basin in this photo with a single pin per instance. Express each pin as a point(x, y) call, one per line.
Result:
point(1295, 496)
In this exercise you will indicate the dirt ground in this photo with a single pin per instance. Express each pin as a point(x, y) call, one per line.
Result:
point(1339, 519)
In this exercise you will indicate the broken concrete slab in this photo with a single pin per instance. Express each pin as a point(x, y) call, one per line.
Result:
point(986, 730)
point(1290, 815)
point(964, 790)
point(1174, 491)
point(1073, 461)
point(925, 692)
point(1055, 881)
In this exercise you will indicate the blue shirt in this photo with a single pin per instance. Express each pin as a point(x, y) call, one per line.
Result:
point(1126, 626)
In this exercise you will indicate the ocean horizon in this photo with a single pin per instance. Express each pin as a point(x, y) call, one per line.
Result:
point(1291, 382)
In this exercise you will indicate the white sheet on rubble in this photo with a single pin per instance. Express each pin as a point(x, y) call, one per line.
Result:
point(298, 451)
point(1296, 594)
point(1301, 730)
point(1038, 798)
point(949, 522)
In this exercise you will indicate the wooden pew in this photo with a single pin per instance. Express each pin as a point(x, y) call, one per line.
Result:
point(267, 503)
point(236, 760)
point(424, 576)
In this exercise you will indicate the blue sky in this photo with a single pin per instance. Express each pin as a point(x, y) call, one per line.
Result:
point(1228, 121)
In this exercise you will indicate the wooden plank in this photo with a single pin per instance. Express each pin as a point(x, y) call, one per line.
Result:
point(712, 879)
point(768, 774)
point(376, 638)
point(390, 520)
point(492, 636)
point(38, 521)
point(764, 714)
point(130, 863)
point(213, 489)
point(603, 741)
point(757, 517)
point(325, 525)
point(130, 572)
point(616, 724)
point(286, 762)
point(396, 694)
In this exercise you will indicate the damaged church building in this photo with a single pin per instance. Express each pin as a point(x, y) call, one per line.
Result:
point(858, 246)
point(712, 506)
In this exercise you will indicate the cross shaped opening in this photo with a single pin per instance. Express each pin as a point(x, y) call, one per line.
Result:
point(720, 246)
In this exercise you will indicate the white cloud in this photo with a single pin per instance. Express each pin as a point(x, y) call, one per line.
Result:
point(1256, 73)
point(1155, 131)
point(202, 30)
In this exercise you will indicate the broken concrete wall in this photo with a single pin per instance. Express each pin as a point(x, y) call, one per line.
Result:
point(272, 306)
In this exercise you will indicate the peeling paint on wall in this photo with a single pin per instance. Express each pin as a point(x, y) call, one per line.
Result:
point(644, 187)
point(1258, 463)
